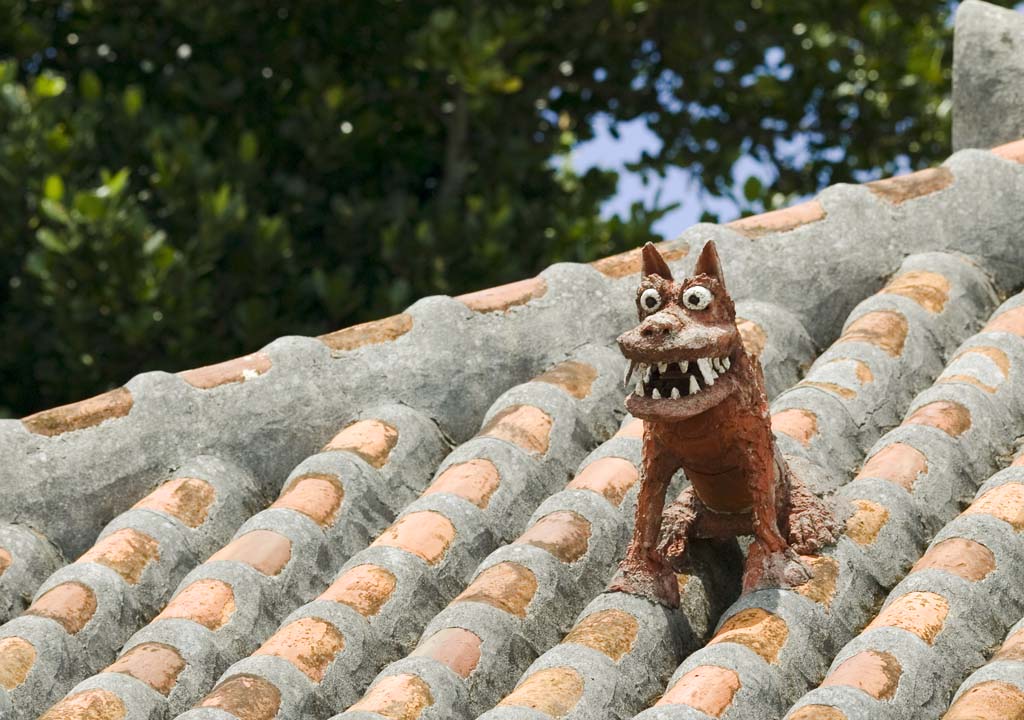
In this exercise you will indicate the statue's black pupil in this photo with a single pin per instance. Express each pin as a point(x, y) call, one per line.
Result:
point(651, 301)
point(694, 298)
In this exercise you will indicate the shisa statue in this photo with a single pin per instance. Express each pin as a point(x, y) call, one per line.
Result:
point(702, 400)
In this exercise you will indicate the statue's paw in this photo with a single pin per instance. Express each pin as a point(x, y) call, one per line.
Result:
point(807, 538)
point(773, 569)
point(811, 530)
point(655, 583)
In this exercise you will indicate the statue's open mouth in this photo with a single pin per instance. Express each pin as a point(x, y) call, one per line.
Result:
point(674, 380)
point(680, 389)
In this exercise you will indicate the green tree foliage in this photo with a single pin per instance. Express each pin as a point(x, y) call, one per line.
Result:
point(181, 182)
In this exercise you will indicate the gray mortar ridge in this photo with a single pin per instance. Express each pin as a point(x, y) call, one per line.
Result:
point(472, 356)
point(33, 558)
point(988, 67)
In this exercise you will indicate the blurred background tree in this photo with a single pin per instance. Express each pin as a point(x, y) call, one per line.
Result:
point(182, 182)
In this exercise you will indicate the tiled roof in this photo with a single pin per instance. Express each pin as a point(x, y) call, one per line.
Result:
point(414, 519)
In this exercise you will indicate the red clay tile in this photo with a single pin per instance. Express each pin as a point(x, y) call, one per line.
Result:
point(969, 559)
point(988, 700)
point(950, 417)
point(316, 495)
point(885, 329)
point(778, 221)
point(921, 613)
point(798, 423)
point(507, 586)
point(818, 712)
point(632, 429)
point(309, 643)
point(72, 604)
point(611, 477)
point(187, 499)
point(611, 632)
point(17, 656)
point(153, 663)
point(552, 691)
point(631, 261)
point(92, 704)
point(994, 354)
point(1012, 648)
point(821, 588)
point(876, 673)
point(898, 190)
point(126, 551)
point(572, 376)
point(474, 480)
point(1005, 502)
point(211, 603)
point(1013, 151)
point(564, 533)
point(82, 414)
point(264, 550)
point(396, 697)
point(763, 632)
point(247, 697)
point(372, 440)
point(866, 522)
point(231, 371)
point(929, 290)
point(527, 426)
point(370, 333)
point(970, 380)
point(504, 297)
point(426, 533)
point(898, 463)
point(708, 688)
point(1011, 321)
point(752, 335)
point(457, 648)
point(364, 588)
point(829, 387)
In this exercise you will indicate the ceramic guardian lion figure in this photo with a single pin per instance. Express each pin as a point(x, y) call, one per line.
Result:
point(702, 400)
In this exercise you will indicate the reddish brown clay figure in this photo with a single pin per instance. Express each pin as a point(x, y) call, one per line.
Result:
point(702, 400)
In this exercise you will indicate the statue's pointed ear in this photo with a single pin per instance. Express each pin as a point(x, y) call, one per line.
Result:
point(654, 263)
point(709, 264)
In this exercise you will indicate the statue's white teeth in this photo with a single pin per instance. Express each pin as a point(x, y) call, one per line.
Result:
point(684, 365)
point(675, 393)
point(717, 365)
point(706, 371)
point(662, 367)
point(629, 373)
point(647, 373)
point(639, 388)
point(694, 387)
point(726, 363)
point(655, 394)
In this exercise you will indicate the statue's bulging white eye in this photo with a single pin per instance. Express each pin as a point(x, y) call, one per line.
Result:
point(697, 297)
point(650, 300)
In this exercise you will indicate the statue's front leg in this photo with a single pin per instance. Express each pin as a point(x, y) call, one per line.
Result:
point(771, 562)
point(643, 571)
